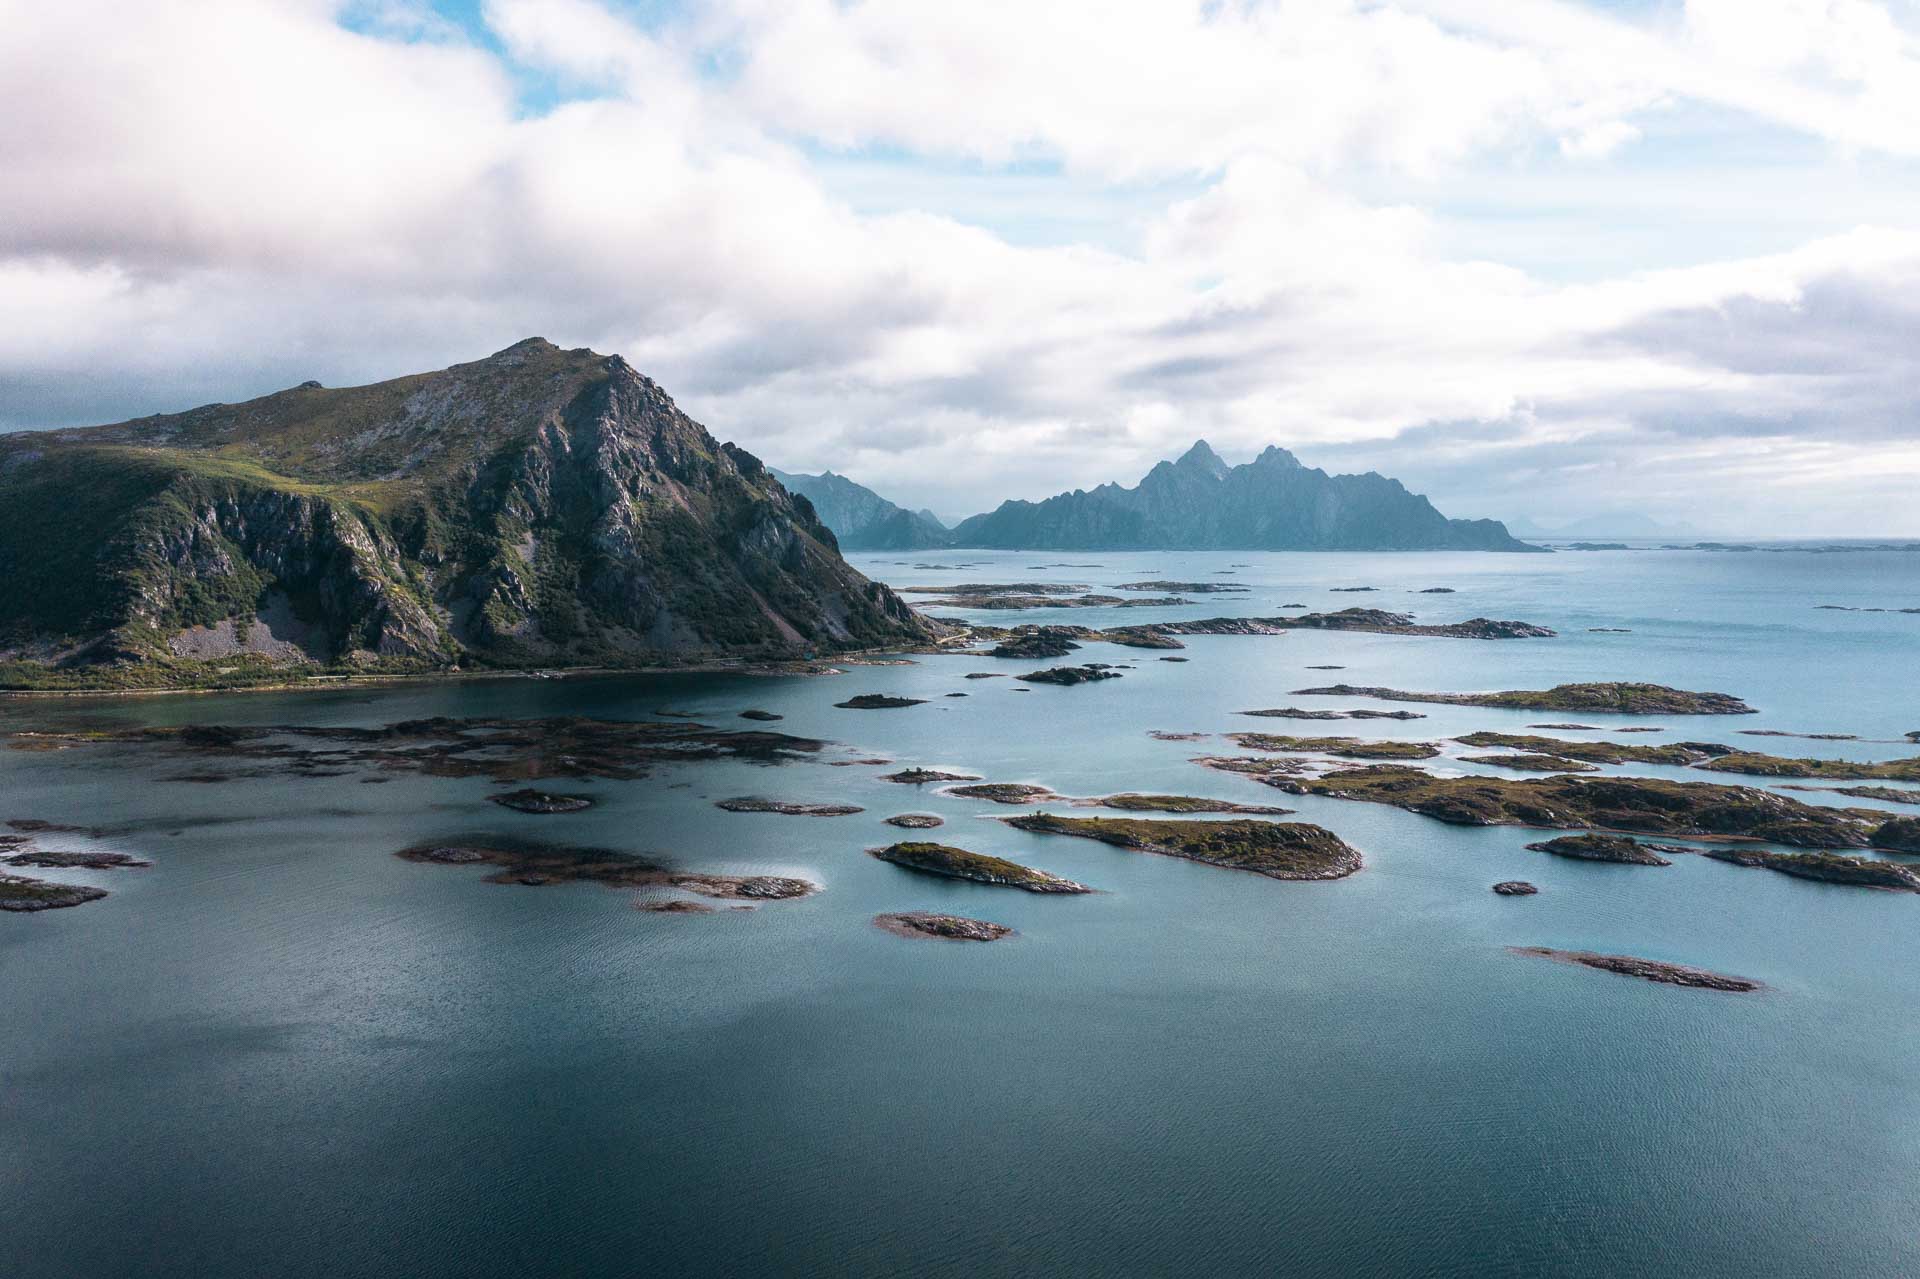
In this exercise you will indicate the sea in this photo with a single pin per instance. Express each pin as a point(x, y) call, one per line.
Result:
point(281, 1050)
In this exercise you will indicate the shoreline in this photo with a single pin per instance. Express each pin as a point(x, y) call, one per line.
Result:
point(797, 667)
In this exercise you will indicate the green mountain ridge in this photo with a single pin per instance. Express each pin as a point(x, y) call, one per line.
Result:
point(539, 507)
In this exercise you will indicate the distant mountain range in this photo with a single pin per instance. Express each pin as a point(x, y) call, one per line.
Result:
point(1628, 524)
point(538, 507)
point(1196, 503)
point(861, 519)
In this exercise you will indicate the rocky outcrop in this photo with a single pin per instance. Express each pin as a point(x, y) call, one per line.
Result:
point(1642, 805)
point(1279, 850)
point(1652, 970)
point(1614, 698)
point(1601, 848)
point(921, 923)
point(1068, 676)
point(1271, 503)
point(1828, 868)
point(948, 862)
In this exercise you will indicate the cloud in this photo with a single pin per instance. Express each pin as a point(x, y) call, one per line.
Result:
point(215, 199)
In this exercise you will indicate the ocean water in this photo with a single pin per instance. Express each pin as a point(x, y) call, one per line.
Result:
point(283, 1051)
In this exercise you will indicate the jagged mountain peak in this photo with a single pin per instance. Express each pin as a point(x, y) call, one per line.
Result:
point(1202, 457)
point(1274, 502)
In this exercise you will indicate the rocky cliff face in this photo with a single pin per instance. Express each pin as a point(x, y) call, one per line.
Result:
point(538, 507)
point(863, 520)
point(1271, 503)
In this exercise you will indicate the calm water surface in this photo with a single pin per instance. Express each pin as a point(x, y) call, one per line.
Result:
point(282, 1051)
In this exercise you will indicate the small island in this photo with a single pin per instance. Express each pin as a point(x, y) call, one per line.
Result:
point(1531, 763)
point(1827, 868)
point(927, 924)
point(1344, 747)
point(878, 702)
point(916, 821)
point(1652, 970)
point(949, 862)
point(1278, 850)
point(540, 865)
point(1003, 792)
point(529, 800)
point(1601, 848)
point(920, 776)
point(1068, 676)
point(1515, 888)
point(1614, 698)
point(22, 894)
point(758, 804)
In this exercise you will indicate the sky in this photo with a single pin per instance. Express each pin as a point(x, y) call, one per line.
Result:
point(1539, 259)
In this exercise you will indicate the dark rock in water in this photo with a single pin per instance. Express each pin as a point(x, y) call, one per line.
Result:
point(878, 702)
point(1515, 888)
point(755, 804)
point(957, 863)
point(21, 894)
point(1326, 668)
point(34, 826)
point(920, 923)
point(1569, 728)
point(1068, 676)
point(447, 855)
point(1003, 792)
point(1615, 698)
point(673, 906)
point(1829, 868)
point(1163, 735)
point(1279, 850)
point(1037, 645)
point(1438, 590)
point(537, 801)
point(1601, 848)
point(505, 750)
point(1173, 659)
point(958, 694)
point(984, 675)
point(920, 776)
point(1351, 590)
point(1914, 736)
point(1645, 969)
point(764, 716)
point(60, 859)
point(1177, 588)
point(1902, 834)
point(916, 821)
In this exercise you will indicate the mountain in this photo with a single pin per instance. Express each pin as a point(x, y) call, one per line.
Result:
point(1271, 503)
point(1627, 524)
point(538, 507)
point(862, 519)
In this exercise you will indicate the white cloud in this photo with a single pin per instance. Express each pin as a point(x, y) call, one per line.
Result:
point(217, 198)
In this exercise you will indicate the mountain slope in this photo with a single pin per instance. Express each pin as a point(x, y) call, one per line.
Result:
point(861, 519)
point(540, 506)
point(1271, 503)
